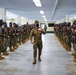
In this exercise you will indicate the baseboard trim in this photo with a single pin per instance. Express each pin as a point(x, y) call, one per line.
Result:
point(49, 31)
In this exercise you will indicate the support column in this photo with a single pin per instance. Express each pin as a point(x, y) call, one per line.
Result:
point(18, 20)
point(3, 14)
point(67, 18)
point(62, 20)
point(27, 20)
point(30, 21)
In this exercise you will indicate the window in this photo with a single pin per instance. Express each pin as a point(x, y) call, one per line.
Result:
point(50, 24)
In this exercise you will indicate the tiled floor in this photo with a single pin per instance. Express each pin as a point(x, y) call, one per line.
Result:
point(55, 60)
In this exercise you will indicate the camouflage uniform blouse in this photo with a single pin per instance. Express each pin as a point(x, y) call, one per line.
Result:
point(36, 34)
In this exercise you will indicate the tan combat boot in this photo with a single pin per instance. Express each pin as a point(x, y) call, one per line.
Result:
point(5, 53)
point(34, 61)
point(74, 54)
point(11, 50)
point(74, 58)
point(1, 58)
point(15, 47)
point(39, 59)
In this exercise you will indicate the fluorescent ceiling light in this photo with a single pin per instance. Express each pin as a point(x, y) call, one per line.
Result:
point(45, 19)
point(41, 12)
point(43, 16)
point(36, 1)
point(38, 4)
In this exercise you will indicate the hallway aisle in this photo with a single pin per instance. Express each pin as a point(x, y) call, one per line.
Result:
point(55, 60)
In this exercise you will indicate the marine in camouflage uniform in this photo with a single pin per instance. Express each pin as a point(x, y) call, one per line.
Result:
point(5, 38)
point(15, 36)
point(19, 35)
point(11, 37)
point(37, 43)
point(73, 28)
point(23, 34)
point(68, 38)
point(64, 34)
point(1, 40)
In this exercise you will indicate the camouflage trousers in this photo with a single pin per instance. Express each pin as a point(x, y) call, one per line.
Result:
point(5, 41)
point(1, 46)
point(15, 40)
point(74, 44)
point(37, 45)
point(74, 47)
point(10, 40)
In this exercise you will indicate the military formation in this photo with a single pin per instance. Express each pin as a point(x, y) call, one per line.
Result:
point(12, 36)
point(66, 34)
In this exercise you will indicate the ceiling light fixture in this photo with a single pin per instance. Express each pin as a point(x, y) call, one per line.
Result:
point(45, 19)
point(37, 3)
point(41, 12)
point(43, 16)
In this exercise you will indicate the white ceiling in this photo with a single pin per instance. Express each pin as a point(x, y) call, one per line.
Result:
point(54, 9)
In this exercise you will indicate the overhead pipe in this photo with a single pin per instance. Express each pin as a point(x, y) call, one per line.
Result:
point(54, 9)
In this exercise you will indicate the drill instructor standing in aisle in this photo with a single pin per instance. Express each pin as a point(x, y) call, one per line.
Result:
point(37, 43)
